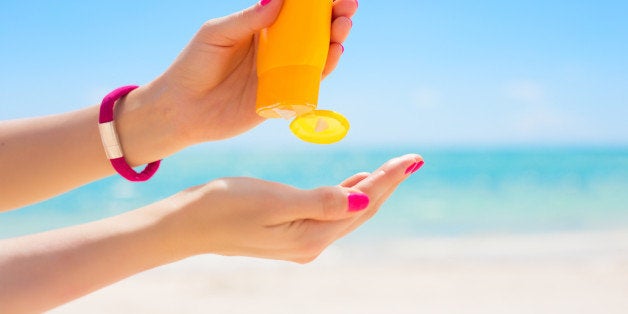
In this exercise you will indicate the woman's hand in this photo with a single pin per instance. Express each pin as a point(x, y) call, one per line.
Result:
point(237, 216)
point(209, 92)
point(250, 217)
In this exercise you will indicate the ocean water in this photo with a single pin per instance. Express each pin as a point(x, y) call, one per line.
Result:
point(458, 192)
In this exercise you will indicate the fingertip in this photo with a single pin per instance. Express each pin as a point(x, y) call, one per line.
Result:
point(333, 57)
point(343, 22)
point(340, 29)
point(336, 49)
point(230, 29)
point(268, 3)
point(413, 164)
point(389, 175)
point(260, 15)
point(345, 8)
point(414, 167)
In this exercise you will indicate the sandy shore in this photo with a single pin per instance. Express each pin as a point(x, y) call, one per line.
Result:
point(549, 273)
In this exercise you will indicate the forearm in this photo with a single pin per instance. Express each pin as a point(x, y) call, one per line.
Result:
point(43, 157)
point(42, 271)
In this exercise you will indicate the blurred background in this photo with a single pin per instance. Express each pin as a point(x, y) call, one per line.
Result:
point(414, 72)
point(519, 109)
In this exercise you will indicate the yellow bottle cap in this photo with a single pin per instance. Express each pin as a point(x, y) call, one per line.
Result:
point(320, 127)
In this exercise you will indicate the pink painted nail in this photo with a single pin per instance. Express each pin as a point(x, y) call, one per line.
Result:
point(264, 2)
point(358, 202)
point(417, 167)
point(409, 170)
point(414, 167)
point(343, 47)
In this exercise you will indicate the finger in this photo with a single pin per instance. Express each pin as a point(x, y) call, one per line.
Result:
point(344, 8)
point(393, 168)
point(333, 56)
point(340, 29)
point(388, 175)
point(383, 181)
point(231, 29)
point(410, 170)
point(326, 204)
point(338, 203)
point(354, 179)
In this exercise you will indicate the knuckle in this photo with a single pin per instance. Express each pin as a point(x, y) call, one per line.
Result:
point(327, 201)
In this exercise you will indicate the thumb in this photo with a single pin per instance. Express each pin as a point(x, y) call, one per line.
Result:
point(230, 29)
point(329, 203)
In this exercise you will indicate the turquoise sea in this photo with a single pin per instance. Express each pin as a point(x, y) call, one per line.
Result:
point(458, 192)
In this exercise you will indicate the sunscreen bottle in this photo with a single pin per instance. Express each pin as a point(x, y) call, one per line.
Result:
point(291, 56)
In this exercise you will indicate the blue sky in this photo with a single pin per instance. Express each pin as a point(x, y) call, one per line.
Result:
point(413, 73)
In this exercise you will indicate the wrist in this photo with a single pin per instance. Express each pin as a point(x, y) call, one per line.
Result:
point(145, 126)
point(165, 224)
point(180, 225)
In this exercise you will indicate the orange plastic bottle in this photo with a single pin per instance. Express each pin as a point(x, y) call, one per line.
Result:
point(291, 57)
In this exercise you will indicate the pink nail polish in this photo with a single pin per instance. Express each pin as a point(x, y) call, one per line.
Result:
point(357, 4)
point(264, 2)
point(417, 166)
point(409, 170)
point(414, 167)
point(343, 48)
point(358, 202)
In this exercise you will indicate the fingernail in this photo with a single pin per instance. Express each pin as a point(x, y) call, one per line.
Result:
point(264, 2)
point(358, 202)
point(417, 167)
point(411, 167)
point(343, 48)
point(357, 4)
point(414, 167)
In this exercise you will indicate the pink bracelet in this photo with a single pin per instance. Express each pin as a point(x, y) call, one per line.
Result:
point(111, 142)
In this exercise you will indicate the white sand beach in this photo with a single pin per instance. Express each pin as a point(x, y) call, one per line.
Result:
point(547, 273)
